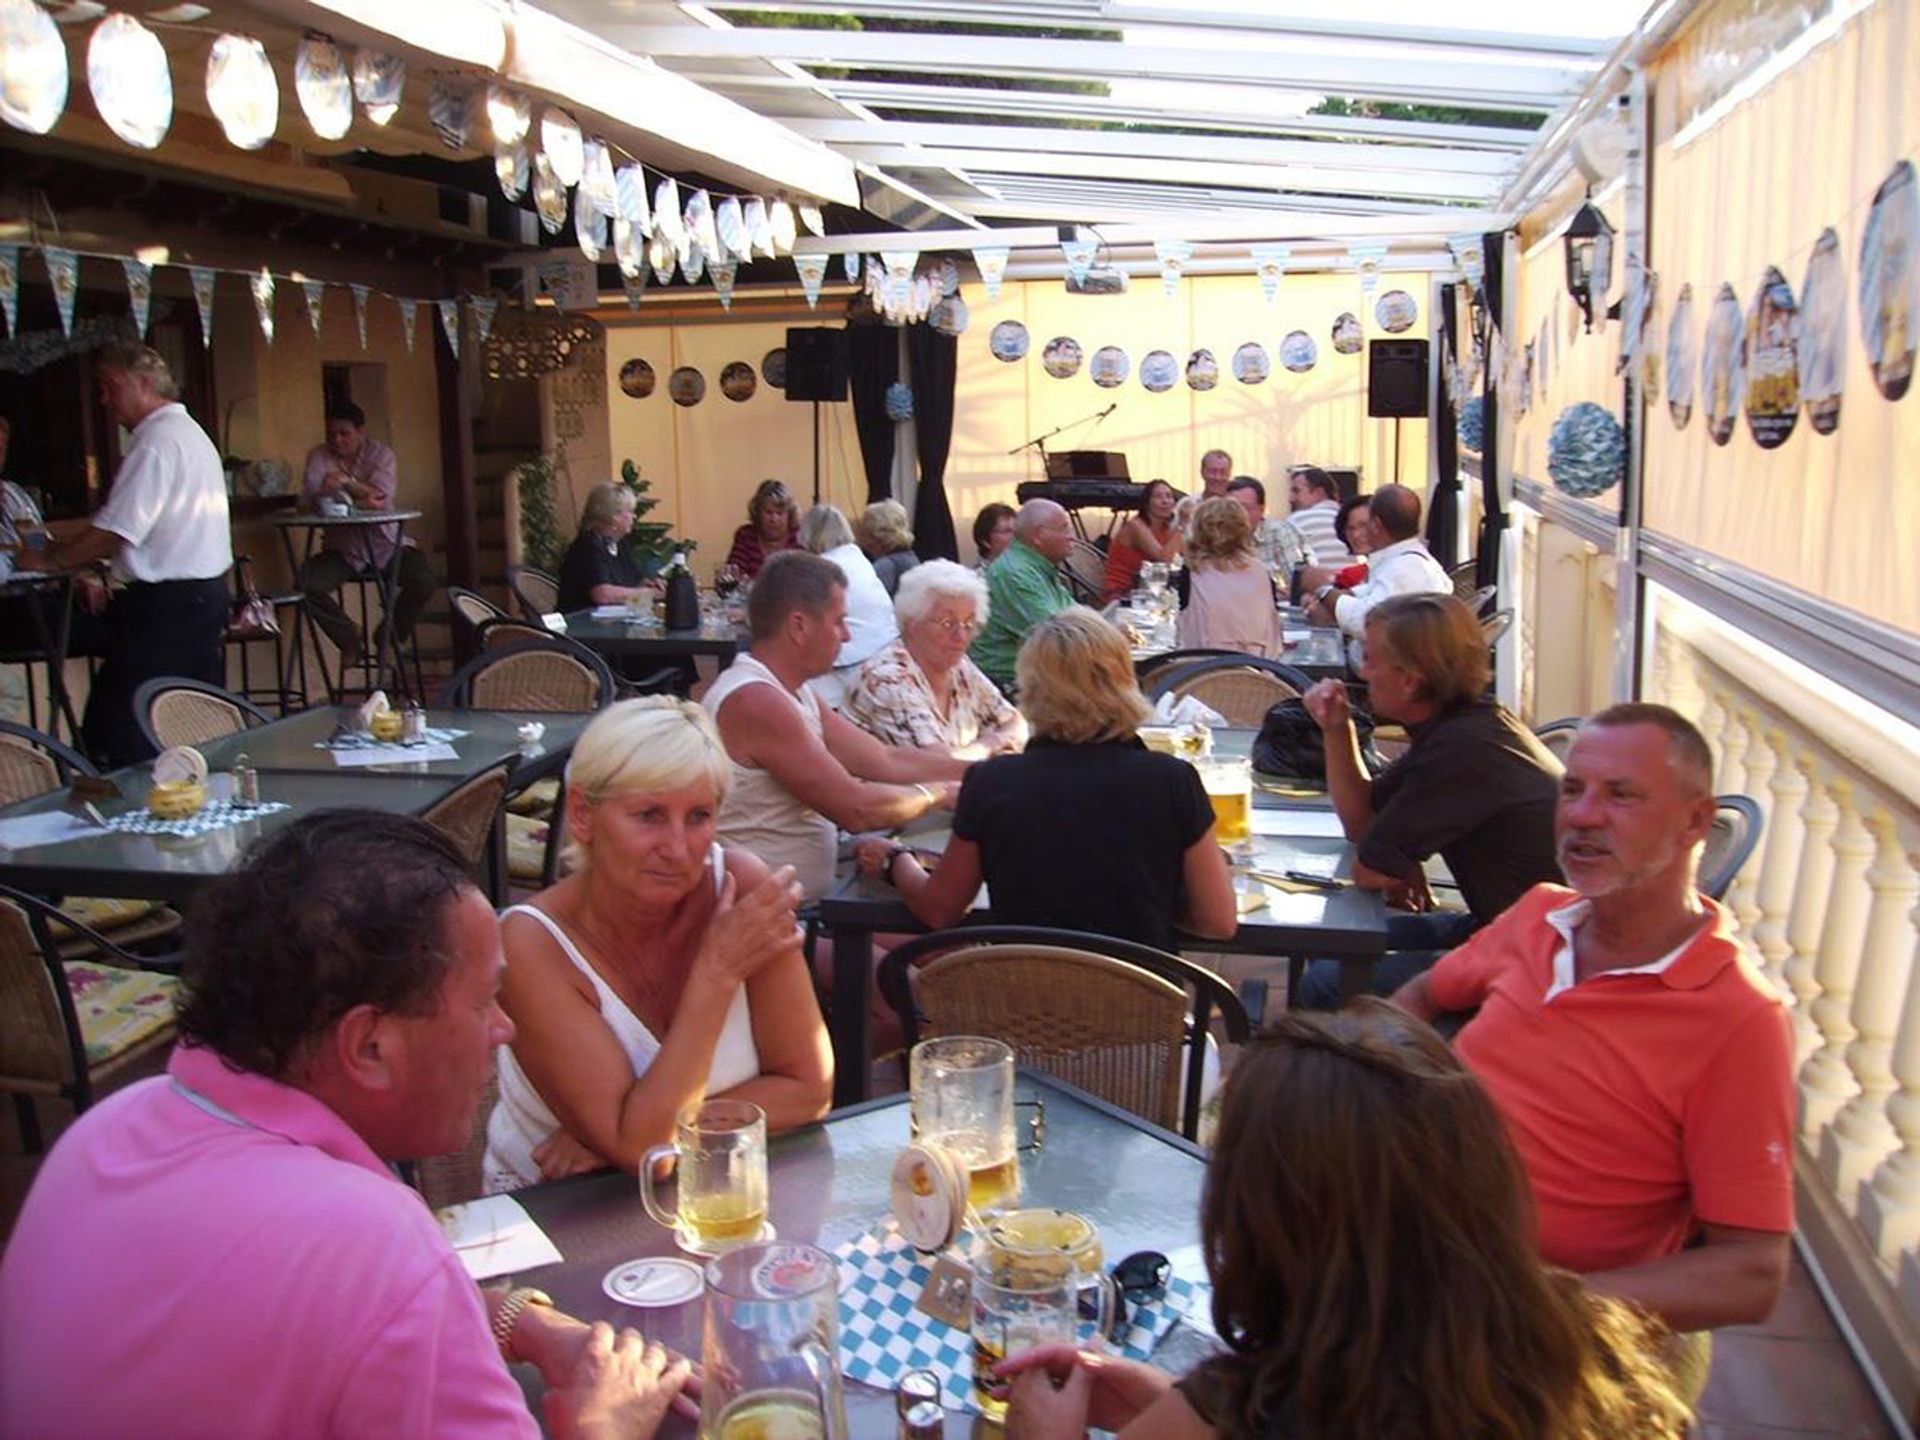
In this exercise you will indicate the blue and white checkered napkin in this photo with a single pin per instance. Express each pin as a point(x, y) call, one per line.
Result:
point(357, 740)
point(883, 1335)
point(214, 815)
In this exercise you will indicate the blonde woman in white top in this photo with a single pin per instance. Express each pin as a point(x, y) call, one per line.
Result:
point(665, 968)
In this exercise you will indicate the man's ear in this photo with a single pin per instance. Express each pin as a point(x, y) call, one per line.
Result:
point(1700, 819)
point(364, 1047)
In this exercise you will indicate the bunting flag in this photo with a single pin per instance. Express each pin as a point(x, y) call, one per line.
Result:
point(660, 258)
point(571, 281)
point(316, 293)
point(899, 264)
point(759, 228)
point(850, 262)
point(360, 312)
point(1270, 263)
point(10, 286)
point(63, 269)
point(991, 261)
point(262, 287)
point(1079, 255)
point(695, 265)
point(813, 270)
point(629, 251)
point(202, 278)
point(409, 320)
point(1366, 260)
point(483, 307)
point(634, 284)
point(723, 272)
point(630, 198)
point(139, 291)
point(1173, 256)
point(450, 322)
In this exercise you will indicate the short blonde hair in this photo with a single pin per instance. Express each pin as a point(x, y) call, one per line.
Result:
point(932, 581)
point(1221, 532)
point(883, 528)
point(605, 501)
point(653, 744)
point(1076, 682)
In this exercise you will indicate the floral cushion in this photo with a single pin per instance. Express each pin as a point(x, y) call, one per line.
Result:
point(101, 914)
point(526, 848)
point(119, 1009)
point(537, 799)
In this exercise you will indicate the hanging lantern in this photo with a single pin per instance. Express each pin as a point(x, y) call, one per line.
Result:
point(1589, 241)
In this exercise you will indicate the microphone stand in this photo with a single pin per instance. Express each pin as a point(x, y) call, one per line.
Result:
point(1039, 442)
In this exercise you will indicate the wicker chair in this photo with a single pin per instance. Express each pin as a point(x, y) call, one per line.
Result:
point(1085, 569)
point(504, 630)
point(468, 814)
point(1242, 688)
point(173, 710)
point(1493, 626)
point(456, 1178)
point(1125, 1022)
point(536, 590)
point(1737, 826)
point(1466, 579)
point(553, 675)
point(67, 1026)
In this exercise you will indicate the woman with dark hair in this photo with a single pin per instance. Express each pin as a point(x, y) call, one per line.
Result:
point(992, 532)
point(773, 525)
point(1372, 1254)
point(1149, 534)
point(1354, 526)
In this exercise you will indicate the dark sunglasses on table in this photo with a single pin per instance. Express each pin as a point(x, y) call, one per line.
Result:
point(1141, 1276)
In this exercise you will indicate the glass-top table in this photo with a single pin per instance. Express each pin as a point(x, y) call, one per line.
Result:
point(621, 635)
point(295, 744)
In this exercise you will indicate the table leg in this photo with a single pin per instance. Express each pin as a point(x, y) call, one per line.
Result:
point(849, 1015)
point(388, 578)
point(54, 642)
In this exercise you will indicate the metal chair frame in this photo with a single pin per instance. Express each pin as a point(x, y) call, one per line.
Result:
point(251, 715)
point(1746, 830)
point(515, 573)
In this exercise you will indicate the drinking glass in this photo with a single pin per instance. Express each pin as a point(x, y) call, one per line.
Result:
point(1154, 574)
point(726, 579)
point(722, 1150)
point(1229, 785)
point(1017, 1306)
point(770, 1346)
point(962, 1100)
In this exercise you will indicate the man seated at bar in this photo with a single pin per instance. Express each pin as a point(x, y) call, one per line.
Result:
point(165, 528)
point(1401, 565)
point(360, 472)
point(1475, 786)
point(802, 771)
point(1642, 1061)
point(1023, 587)
point(223, 1251)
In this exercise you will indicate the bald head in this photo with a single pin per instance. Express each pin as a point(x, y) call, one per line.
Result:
point(1396, 510)
point(1043, 525)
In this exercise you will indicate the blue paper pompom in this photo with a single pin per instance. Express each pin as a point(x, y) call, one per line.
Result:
point(1473, 424)
point(899, 401)
point(1587, 450)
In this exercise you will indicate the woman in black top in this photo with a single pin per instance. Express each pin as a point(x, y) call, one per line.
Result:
point(598, 570)
point(1368, 1236)
point(1088, 829)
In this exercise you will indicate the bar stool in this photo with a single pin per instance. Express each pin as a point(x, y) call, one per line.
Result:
point(363, 675)
point(240, 640)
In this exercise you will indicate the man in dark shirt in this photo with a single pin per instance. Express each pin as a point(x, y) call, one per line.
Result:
point(1475, 787)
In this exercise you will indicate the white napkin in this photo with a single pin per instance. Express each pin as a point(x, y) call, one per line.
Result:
point(375, 703)
point(49, 827)
point(495, 1236)
point(1185, 711)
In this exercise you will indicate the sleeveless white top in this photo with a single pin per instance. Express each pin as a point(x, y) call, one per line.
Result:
point(521, 1120)
point(760, 814)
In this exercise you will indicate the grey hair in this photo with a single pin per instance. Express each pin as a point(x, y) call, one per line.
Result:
point(604, 501)
point(1032, 515)
point(932, 581)
point(143, 362)
point(824, 528)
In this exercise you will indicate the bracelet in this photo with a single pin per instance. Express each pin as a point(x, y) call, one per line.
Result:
point(508, 1315)
point(926, 793)
point(893, 856)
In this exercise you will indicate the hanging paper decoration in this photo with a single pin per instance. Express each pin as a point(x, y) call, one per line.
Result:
point(850, 262)
point(1681, 358)
point(139, 292)
point(1366, 261)
point(511, 168)
point(202, 278)
point(629, 251)
point(589, 225)
point(1822, 337)
point(730, 225)
point(1772, 362)
point(695, 265)
point(991, 262)
point(759, 228)
point(10, 287)
point(315, 291)
point(811, 217)
point(1203, 371)
point(660, 258)
point(482, 307)
point(409, 320)
point(571, 283)
point(1473, 424)
point(1270, 263)
point(700, 224)
point(1079, 255)
point(1634, 315)
point(1722, 366)
point(510, 116)
point(1109, 367)
point(950, 317)
point(780, 222)
point(1586, 450)
point(131, 82)
point(33, 70)
point(450, 323)
point(321, 83)
point(1346, 333)
point(596, 178)
point(668, 223)
point(1159, 372)
point(723, 272)
point(377, 82)
point(450, 112)
point(360, 293)
point(737, 381)
point(63, 270)
point(560, 142)
point(1173, 256)
point(633, 284)
point(549, 195)
point(899, 402)
point(1890, 281)
point(1298, 352)
point(1250, 364)
point(242, 91)
point(813, 270)
point(262, 287)
point(630, 199)
point(899, 263)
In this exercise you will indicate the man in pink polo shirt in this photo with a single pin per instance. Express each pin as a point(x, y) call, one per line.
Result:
point(223, 1251)
point(1643, 1063)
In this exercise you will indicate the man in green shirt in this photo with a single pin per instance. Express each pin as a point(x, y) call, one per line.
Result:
point(1023, 587)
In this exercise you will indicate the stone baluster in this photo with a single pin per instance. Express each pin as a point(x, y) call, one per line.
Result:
point(1812, 887)
point(1678, 674)
point(1862, 1134)
point(1780, 858)
point(1890, 1201)
point(1825, 1081)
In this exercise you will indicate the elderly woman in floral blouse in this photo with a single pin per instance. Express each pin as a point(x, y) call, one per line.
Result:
point(923, 691)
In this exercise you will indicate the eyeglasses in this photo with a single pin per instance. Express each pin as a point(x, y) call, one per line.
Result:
point(948, 625)
point(1140, 1277)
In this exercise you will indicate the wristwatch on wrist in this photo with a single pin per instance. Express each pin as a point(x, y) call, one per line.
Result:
point(893, 857)
point(508, 1315)
point(1322, 593)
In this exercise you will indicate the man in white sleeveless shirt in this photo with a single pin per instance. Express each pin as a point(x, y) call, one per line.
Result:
point(802, 772)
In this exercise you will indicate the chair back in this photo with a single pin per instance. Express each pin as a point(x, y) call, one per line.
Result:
point(473, 608)
point(467, 815)
point(1737, 825)
point(1085, 571)
point(32, 763)
point(173, 710)
point(1481, 601)
point(536, 590)
point(560, 678)
point(1123, 1021)
point(1466, 579)
point(1242, 688)
point(39, 1030)
point(459, 1177)
point(1493, 626)
point(1558, 736)
point(499, 633)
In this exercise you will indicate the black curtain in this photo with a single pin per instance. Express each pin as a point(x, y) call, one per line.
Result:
point(1443, 514)
point(873, 363)
point(1493, 519)
point(933, 358)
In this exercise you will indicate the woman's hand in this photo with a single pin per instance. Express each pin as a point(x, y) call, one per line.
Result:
point(560, 1155)
point(620, 1390)
point(1113, 1391)
point(748, 932)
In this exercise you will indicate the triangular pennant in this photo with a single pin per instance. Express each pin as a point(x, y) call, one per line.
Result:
point(450, 108)
point(723, 272)
point(139, 291)
point(262, 287)
point(813, 270)
point(596, 178)
point(991, 261)
point(1270, 263)
point(850, 262)
point(1173, 256)
point(63, 269)
point(899, 264)
point(202, 278)
point(409, 320)
point(730, 227)
point(10, 286)
point(450, 322)
point(1079, 255)
point(589, 225)
point(360, 293)
point(634, 284)
point(482, 307)
point(316, 293)
point(1366, 260)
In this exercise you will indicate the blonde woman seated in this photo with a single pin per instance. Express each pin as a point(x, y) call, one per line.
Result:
point(1227, 600)
point(923, 691)
point(664, 969)
point(1088, 829)
point(886, 536)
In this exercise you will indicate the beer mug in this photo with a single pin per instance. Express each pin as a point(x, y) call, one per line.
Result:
point(1017, 1305)
point(962, 1101)
point(769, 1346)
point(722, 1150)
point(1229, 785)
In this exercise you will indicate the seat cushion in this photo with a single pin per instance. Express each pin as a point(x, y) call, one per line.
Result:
point(526, 848)
point(537, 799)
point(100, 913)
point(119, 1009)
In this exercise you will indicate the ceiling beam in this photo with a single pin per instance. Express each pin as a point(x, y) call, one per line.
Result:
point(1422, 227)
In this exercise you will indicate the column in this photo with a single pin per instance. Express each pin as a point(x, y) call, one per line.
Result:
point(1812, 886)
point(1780, 858)
point(1825, 1081)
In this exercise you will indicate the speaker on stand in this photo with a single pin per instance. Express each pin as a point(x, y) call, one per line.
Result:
point(1396, 385)
point(816, 371)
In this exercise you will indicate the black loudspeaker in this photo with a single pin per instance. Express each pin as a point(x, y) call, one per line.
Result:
point(817, 364)
point(1396, 379)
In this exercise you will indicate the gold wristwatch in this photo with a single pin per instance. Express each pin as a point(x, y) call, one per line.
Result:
point(508, 1315)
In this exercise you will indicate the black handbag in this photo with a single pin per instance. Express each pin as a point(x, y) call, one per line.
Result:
point(1290, 743)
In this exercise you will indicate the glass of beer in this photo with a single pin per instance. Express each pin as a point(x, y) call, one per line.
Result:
point(962, 1100)
point(721, 1146)
point(1229, 785)
point(769, 1346)
point(1016, 1306)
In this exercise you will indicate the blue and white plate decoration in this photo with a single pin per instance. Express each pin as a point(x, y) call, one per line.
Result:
point(1008, 341)
point(1159, 371)
point(1396, 311)
point(1723, 369)
point(1890, 281)
point(1682, 355)
point(1110, 367)
point(1298, 352)
point(1250, 364)
point(1586, 450)
point(1473, 424)
point(1822, 338)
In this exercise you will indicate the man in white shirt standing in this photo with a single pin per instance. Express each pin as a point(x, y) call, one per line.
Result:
point(1316, 508)
point(1402, 566)
point(165, 528)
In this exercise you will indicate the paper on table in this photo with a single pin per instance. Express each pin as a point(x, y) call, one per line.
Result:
point(495, 1236)
point(1296, 637)
point(394, 755)
point(1317, 824)
point(612, 612)
point(48, 828)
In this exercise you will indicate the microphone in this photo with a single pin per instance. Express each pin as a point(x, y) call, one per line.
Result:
point(1110, 409)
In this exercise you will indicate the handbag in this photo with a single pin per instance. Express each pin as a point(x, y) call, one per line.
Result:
point(1290, 743)
point(253, 616)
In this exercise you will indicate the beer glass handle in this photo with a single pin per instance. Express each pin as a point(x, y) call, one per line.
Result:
point(1037, 1127)
point(661, 1215)
point(821, 1366)
point(1110, 1302)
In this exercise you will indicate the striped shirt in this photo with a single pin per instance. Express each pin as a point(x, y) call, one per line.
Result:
point(1314, 526)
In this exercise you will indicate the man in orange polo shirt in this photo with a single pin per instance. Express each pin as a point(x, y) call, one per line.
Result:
point(1643, 1063)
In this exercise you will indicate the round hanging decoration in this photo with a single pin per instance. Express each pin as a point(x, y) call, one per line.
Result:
point(1203, 371)
point(1890, 281)
point(33, 67)
point(950, 317)
point(1586, 450)
point(377, 82)
point(131, 84)
point(1723, 370)
point(1158, 371)
point(1396, 311)
point(1298, 352)
point(561, 143)
point(773, 367)
point(549, 195)
point(1682, 356)
point(1346, 333)
point(1823, 333)
point(636, 379)
point(242, 91)
point(1772, 362)
point(1110, 367)
point(737, 381)
point(687, 386)
point(324, 89)
point(899, 401)
point(1061, 359)
point(511, 169)
point(1250, 364)
point(1473, 424)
